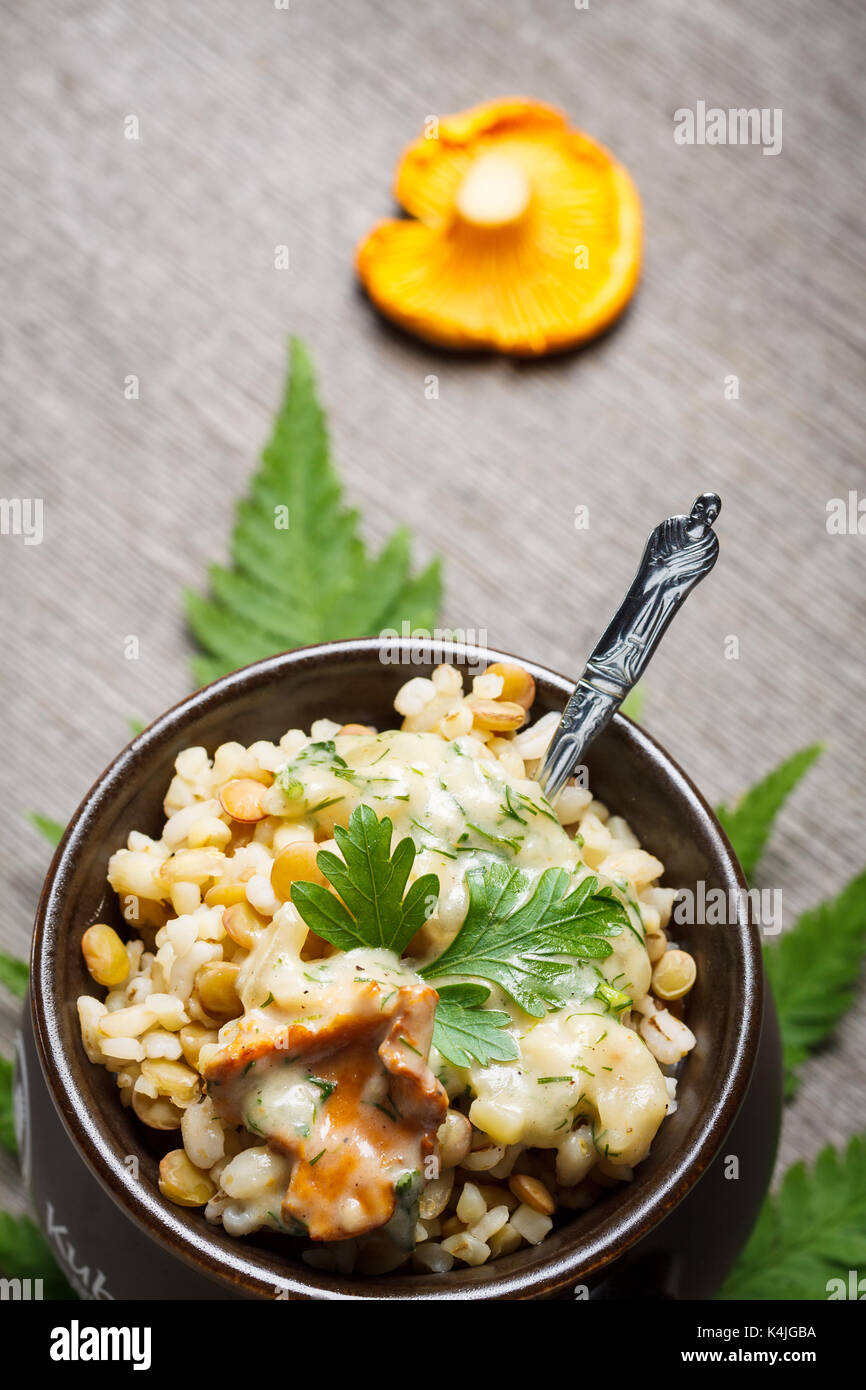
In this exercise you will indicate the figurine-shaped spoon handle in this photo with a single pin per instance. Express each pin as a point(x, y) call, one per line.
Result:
point(678, 553)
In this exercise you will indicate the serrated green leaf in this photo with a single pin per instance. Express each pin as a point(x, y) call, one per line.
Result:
point(810, 1234)
point(360, 607)
point(419, 602)
point(371, 909)
point(463, 1029)
point(14, 974)
point(229, 638)
point(25, 1254)
point(813, 969)
point(749, 822)
point(515, 941)
point(7, 1108)
point(266, 611)
point(312, 581)
point(53, 830)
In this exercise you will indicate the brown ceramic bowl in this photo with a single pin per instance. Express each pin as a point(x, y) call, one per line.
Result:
point(94, 1179)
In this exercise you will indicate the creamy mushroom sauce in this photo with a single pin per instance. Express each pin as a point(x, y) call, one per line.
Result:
point(333, 1072)
point(456, 807)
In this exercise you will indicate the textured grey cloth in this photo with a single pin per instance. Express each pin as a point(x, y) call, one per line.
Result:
point(262, 127)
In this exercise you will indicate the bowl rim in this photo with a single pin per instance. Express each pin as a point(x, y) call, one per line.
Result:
point(240, 1268)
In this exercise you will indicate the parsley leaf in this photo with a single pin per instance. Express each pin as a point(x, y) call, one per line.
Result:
point(14, 974)
point(748, 824)
point(300, 572)
point(813, 968)
point(7, 1122)
point(812, 1232)
point(25, 1254)
point(53, 830)
point(371, 883)
point(463, 1029)
point(514, 944)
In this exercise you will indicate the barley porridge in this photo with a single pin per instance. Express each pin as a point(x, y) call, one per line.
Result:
point(389, 999)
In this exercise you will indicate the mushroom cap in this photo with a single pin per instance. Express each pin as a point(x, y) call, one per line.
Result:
point(524, 235)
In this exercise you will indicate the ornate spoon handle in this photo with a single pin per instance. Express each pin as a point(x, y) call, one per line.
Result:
point(678, 553)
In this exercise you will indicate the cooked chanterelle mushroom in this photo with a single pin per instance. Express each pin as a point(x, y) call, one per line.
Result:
point(347, 1094)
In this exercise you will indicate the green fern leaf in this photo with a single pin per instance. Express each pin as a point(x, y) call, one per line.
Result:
point(748, 824)
point(813, 969)
point(300, 572)
point(811, 1236)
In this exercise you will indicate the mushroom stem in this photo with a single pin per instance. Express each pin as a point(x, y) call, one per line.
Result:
point(495, 192)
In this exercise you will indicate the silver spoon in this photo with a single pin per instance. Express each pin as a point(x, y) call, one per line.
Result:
point(678, 553)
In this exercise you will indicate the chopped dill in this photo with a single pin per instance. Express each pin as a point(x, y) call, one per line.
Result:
point(327, 1088)
point(510, 811)
point(320, 805)
point(512, 843)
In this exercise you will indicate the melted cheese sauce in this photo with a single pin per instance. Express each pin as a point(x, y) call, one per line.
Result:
point(579, 1063)
point(460, 809)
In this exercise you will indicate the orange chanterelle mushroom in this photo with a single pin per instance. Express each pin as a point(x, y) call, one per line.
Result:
point(524, 235)
point(349, 1096)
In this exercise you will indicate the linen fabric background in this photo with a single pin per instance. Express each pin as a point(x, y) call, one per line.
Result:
point(261, 127)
